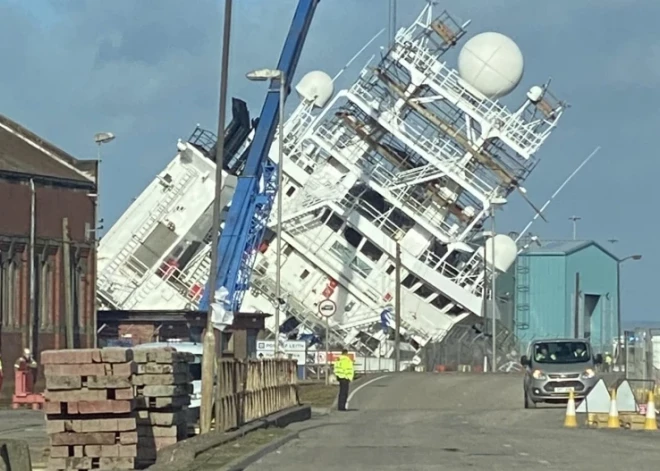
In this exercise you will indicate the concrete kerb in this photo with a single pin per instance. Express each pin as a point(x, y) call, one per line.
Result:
point(180, 456)
point(239, 464)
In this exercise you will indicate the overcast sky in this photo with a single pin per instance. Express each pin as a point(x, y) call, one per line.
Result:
point(147, 70)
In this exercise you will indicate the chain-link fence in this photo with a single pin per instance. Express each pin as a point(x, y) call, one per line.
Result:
point(640, 355)
point(468, 347)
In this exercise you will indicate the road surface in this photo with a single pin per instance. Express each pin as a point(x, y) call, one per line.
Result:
point(456, 422)
point(28, 425)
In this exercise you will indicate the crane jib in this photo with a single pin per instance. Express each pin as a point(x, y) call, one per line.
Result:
point(250, 208)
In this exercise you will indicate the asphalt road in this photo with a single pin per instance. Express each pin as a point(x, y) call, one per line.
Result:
point(28, 425)
point(456, 422)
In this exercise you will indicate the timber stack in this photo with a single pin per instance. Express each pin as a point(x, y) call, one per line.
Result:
point(163, 385)
point(101, 402)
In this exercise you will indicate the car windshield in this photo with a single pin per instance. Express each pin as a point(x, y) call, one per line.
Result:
point(561, 352)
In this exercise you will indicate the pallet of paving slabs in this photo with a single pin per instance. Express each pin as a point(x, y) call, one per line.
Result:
point(89, 409)
point(163, 385)
point(87, 375)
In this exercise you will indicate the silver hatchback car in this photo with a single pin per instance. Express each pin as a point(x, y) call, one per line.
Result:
point(555, 367)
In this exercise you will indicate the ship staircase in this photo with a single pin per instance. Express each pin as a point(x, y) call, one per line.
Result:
point(108, 279)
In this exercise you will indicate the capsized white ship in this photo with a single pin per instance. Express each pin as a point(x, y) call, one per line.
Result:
point(414, 153)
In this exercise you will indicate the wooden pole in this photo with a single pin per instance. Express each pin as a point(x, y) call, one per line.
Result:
point(68, 293)
point(397, 310)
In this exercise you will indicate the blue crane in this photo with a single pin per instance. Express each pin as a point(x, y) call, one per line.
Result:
point(257, 185)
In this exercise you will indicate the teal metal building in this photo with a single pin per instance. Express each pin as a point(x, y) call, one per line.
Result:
point(546, 278)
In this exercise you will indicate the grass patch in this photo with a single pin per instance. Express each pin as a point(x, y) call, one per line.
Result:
point(220, 456)
point(318, 394)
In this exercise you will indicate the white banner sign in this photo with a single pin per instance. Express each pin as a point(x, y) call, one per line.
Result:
point(294, 349)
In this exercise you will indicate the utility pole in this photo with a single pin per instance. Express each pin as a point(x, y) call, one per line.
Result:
point(397, 310)
point(575, 219)
point(208, 345)
point(493, 298)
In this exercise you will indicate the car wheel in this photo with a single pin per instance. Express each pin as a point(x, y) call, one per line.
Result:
point(529, 404)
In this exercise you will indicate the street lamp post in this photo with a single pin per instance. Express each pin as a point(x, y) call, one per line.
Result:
point(496, 202)
point(208, 342)
point(100, 139)
point(622, 359)
point(263, 75)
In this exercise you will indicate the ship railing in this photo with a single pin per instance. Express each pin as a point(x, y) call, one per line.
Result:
point(294, 306)
point(441, 266)
point(146, 225)
point(443, 156)
point(383, 178)
point(448, 79)
point(427, 172)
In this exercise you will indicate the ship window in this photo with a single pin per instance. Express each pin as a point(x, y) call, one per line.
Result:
point(424, 291)
point(360, 266)
point(372, 252)
point(304, 274)
point(349, 306)
point(409, 281)
point(352, 236)
point(390, 269)
point(343, 253)
point(335, 222)
point(291, 191)
point(287, 250)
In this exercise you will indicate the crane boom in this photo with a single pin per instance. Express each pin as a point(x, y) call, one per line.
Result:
point(256, 187)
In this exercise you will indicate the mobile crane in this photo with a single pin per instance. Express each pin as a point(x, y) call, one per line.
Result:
point(256, 188)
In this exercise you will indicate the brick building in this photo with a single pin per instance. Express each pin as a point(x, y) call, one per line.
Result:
point(47, 211)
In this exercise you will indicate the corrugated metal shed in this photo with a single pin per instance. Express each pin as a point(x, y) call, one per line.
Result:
point(546, 282)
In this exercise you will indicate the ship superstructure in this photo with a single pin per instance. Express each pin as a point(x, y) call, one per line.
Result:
point(412, 154)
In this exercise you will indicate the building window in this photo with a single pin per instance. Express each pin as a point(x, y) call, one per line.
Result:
point(304, 274)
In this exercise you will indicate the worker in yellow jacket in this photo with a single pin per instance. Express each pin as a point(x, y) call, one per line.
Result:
point(344, 371)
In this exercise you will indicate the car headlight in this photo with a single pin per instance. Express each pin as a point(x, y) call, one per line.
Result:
point(588, 374)
point(538, 374)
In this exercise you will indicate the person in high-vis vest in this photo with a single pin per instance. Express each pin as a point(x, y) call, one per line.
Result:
point(344, 372)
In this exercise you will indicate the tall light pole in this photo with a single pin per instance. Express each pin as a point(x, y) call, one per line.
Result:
point(622, 358)
point(208, 343)
point(575, 219)
point(263, 75)
point(494, 204)
point(100, 138)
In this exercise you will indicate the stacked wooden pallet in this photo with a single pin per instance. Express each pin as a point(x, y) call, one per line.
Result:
point(90, 403)
point(163, 386)
point(102, 403)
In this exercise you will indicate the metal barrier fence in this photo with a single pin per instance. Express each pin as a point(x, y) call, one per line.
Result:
point(638, 357)
point(467, 347)
point(247, 390)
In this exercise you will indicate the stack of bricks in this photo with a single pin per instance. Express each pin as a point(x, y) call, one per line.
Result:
point(89, 408)
point(163, 386)
point(102, 403)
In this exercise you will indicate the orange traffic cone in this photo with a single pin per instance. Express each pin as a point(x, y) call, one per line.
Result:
point(571, 420)
point(613, 419)
point(650, 423)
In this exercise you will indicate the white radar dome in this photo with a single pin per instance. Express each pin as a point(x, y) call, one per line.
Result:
point(492, 64)
point(506, 252)
point(316, 86)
